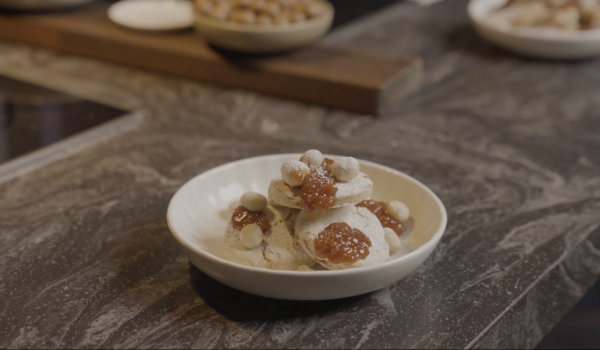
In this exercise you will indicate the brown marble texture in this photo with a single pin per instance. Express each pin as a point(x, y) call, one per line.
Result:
point(511, 146)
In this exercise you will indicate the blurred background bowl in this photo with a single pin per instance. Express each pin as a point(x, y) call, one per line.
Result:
point(535, 42)
point(272, 39)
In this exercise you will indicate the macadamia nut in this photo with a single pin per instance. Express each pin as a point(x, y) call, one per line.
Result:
point(253, 201)
point(345, 169)
point(304, 268)
point(392, 240)
point(281, 19)
point(312, 157)
point(294, 172)
point(221, 11)
point(242, 16)
point(272, 9)
point(205, 7)
point(264, 20)
point(398, 210)
point(297, 16)
point(313, 9)
point(251, 236)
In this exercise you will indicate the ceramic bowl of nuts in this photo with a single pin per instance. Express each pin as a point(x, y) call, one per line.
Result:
point(306, 226)
point(262, 26)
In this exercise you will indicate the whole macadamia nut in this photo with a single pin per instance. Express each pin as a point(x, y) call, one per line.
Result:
point(205, 7)
point(294, 172)
point(242, 16)
point(313, 9)
point(264, 20)
point(281, 19)
point(272, 9)
point(253, 201)
point(345, 169)
point(251, 236)
point(259, 5)
point(398, 210)
point(312, 157)
point(297, 16)
point(392, 240)
point(221, 11)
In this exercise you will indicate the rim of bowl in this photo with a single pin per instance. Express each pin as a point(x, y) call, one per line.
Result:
point(244, 28)
point(433, 241)
point(589, 36)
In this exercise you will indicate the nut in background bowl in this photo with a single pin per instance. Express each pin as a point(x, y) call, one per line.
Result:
point(261, 40)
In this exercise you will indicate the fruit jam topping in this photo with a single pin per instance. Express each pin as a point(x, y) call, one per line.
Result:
point(242, 217)
point(318, 188)
point(378, 208)
point(340, 243)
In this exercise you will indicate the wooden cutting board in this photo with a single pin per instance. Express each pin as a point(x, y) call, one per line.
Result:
point(343, 77)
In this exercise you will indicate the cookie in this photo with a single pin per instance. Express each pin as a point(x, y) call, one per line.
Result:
point(342, 238)
point(279, 249)
point(348, 193)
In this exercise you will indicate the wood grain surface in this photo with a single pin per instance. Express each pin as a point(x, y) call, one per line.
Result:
point(355, 79)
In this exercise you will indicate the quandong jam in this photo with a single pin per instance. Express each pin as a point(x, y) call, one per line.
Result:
point(378, 208)
point(340, 243)
point(242, 217)
point(318, 189)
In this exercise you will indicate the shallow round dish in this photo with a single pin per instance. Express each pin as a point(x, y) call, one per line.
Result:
point(197, 219)
point(153, 15)
point(255, 39)
point(536, 42)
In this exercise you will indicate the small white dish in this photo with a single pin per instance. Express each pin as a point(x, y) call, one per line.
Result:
point(197, 219)
point(536, 42)
point(153, 15)
point(272, 39)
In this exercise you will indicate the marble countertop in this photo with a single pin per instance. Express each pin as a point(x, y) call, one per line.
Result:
point(509, 144)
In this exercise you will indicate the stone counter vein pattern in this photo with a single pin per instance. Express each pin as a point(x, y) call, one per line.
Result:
point(509, 144)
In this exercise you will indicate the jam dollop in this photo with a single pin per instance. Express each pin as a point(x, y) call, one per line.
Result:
point(318, 189)
point(340, 243)
point(242, 217)
point(378, 208)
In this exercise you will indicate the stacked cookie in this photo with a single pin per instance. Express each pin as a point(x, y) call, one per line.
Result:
point(318, 211)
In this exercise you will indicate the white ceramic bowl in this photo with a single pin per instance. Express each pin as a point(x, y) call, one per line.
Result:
point(542, 43)
point(197, 219)
point(153, 15)
point(255, 39)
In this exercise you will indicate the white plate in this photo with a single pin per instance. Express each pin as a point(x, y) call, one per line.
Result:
point(154, 15)
point(543, 43)
point(196, 219)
